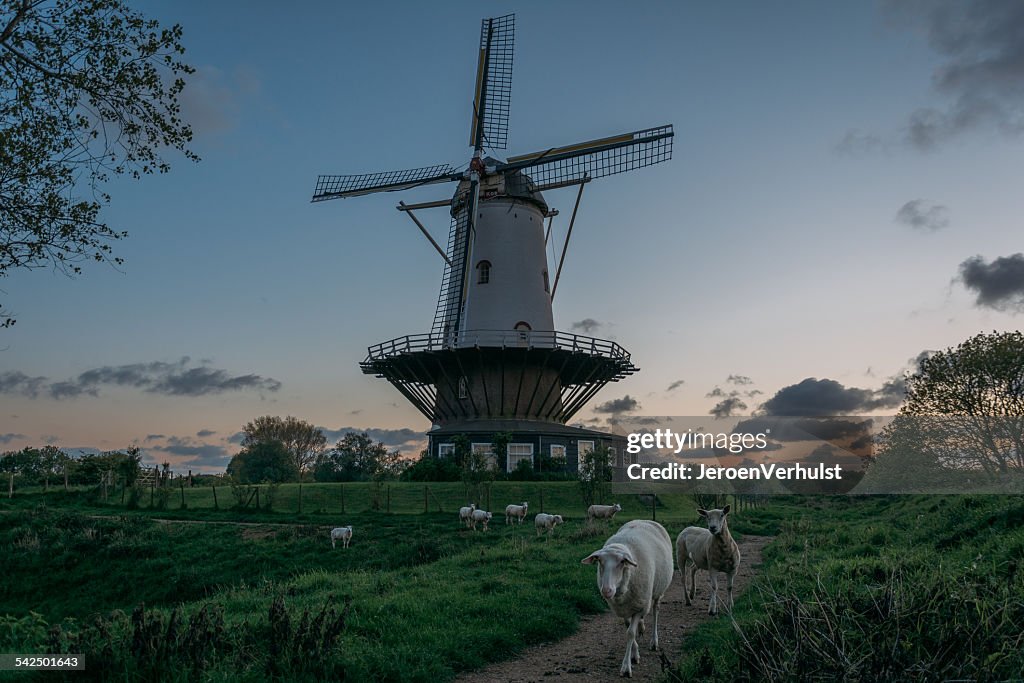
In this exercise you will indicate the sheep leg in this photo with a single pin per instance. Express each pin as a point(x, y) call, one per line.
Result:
point(632, 651)
point(730, 575)
point(682, 575)
point(713, 602)
point(693, 583)
point(332, 544)
point(654, 638)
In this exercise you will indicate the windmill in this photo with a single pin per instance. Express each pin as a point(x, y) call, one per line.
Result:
point(493, 361)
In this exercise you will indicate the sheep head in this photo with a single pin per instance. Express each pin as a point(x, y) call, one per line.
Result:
point(613, 567)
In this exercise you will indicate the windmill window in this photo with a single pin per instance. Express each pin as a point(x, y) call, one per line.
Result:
point(463, 388)
point(547, 285)
point(483, 272)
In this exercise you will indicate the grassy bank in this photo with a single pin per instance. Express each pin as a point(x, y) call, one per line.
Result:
point(883, 588)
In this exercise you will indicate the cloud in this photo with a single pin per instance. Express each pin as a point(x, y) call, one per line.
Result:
point(626, 404)
point(675, 385)
point(10, 436)
point(20, 383)
point(727, 407)
point(237, 437)
point(392, 438)
point(172, 379)
point(820, 397)
point(212, 99)
point(153, 437)
point(588, 325)
point(739, 380)
point(998, 285)
point(981, 69)
point(923, 215)
point(856, 142)
point(202, 433)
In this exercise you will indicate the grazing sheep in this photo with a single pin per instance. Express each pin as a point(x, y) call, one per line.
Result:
point(547, 522)
point(602, 511)
point(712, 549)
point(343, 534)
point(518, 511)
point(634, 569)
point(466, 513)
point(480, 516)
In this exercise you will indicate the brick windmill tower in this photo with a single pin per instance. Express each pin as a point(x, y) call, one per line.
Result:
point(493, 361)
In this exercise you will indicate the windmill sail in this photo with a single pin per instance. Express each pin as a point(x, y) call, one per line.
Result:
point(450, 301)
point(492, 97)
point(561, 166)
point(338, 186)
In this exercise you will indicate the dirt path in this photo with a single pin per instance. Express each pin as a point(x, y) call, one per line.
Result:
point(594, 653)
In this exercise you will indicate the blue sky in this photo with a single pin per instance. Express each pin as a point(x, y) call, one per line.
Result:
point(835, 166)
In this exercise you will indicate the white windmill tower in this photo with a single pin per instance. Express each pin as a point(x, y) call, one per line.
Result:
point(493, 361)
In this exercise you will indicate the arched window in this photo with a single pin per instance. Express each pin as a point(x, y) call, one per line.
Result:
point(523, 326)
point(483, 272)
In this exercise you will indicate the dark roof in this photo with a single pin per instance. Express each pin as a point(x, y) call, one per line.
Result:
point(519, 426)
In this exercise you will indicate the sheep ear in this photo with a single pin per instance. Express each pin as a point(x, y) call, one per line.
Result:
point(627, 558)
point(591, 558)
point(702, 512)
point(725, 510)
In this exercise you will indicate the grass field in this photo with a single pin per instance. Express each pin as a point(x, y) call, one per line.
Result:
point(894, 588)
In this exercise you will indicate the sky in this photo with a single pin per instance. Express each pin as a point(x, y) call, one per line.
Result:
point(844, 195)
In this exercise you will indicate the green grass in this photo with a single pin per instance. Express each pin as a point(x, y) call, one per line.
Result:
point(878, 588)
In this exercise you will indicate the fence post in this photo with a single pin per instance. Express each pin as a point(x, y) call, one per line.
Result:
point(389, 498)
point(542, 500)
point(342, 488)
point(654, 507)
point(300, 497)
point(426, 509)
point(257, 497)
point(215, 505)
point(181, 484)
point(65, 476)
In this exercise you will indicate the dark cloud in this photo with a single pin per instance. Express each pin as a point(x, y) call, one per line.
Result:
point(981, 69)
point(392, 438)
point(10, 436)
point(999, 285)
point(675, 385)
point(752, 393)
point(814, 397)
point(923, 215)
point(786, 429)
point(153, 437)
point(626, 404)
point(727, 407)
point(202, 433)
point(174, 379)
point(740, 380)
point(588, 325)
point(20, 383)
point(237, 437)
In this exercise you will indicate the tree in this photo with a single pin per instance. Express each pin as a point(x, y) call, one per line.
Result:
point(356, 457)
point(88, 89)
point(964, 411)
point(302, 440)
point(263, 461)
point(595, 476)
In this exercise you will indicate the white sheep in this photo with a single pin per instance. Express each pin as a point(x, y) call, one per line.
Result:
point(343, 534)
point(712, 549)
point(546, 522)
point(634, 569)
point(465, 513)
point(480, 516)
point(602, 511)
point(517, 511)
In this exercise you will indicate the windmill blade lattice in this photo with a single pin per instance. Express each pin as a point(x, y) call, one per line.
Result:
point(338, 186)
point(561, 166)
point(493, 96)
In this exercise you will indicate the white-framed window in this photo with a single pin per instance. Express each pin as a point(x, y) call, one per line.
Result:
point(558, 454)
point(487, 451)
point(445, 450)
point(612, 455)
point(516, 453)
point(584, 447)
point(483, 272)
point(463, 388)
